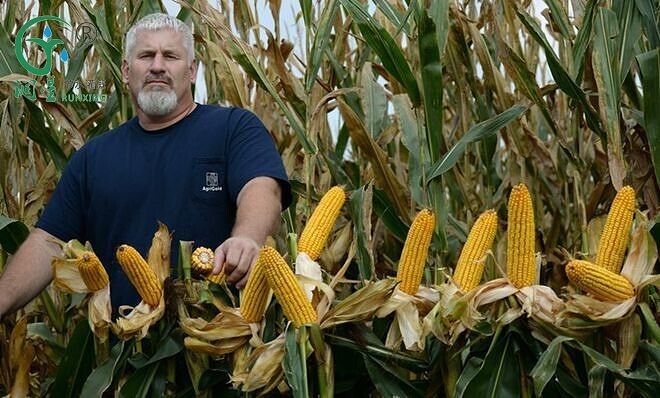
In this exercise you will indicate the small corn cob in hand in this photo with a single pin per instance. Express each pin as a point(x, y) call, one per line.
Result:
point(286, 288)
point(140, 274)
point(415, 251)
point(601, 283)
point(255, 294)
point(202, 260)
point(92, 271)
point(470, 265)
point(520, 261)
point(616, 234)
point(312, 240)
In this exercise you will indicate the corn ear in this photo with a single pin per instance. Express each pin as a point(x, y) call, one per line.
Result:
point(92, 271)
point(520, 262)
point(313, 238)
point(255, 295)
point(140, 274)
point(202, 260)
point(286, 288)
point(415, 252)
point(470, 267)
point(601, 283)
point(616, 234)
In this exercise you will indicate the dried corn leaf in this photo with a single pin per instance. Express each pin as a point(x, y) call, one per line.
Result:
point(309, 268)
point(361, 305)
point(219, 347)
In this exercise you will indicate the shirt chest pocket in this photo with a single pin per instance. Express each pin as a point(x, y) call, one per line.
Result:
point(208, 181)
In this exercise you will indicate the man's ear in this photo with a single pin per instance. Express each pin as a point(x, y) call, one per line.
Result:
point(193, 71)
point(124, 71)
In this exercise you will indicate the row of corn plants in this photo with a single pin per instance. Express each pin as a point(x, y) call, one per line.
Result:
point(427, 114)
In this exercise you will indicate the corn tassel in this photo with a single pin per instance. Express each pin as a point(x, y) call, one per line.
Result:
point(415, 251)
point(202, 260)
point(92, 271)
point(470, 265)
point(255, 295)
point(312, 240)
point(601, 283)
point(286, 288)
point(616, 234)
point(520, 262)
point(140, 274)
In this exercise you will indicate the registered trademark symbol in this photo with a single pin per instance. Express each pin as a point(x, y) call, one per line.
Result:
point(86, 32)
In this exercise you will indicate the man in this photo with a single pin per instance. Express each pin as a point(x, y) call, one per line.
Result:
point(211, 174)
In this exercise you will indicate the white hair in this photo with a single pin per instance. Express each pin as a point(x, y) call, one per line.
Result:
point(156, 22)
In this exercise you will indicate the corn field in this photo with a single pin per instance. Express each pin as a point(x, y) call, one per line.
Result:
point(528, 120)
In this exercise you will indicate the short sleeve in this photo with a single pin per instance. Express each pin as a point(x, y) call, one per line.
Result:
point(252, 153)
point(63, 216)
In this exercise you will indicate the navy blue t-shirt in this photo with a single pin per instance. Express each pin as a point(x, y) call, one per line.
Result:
point(120, 184)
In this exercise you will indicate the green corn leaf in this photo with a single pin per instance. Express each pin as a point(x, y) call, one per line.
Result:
point(77, 363)
point(139, 383)
point(560, 18)
point(497, 376)
point(40, 133)
point(525, 80)
point(477, 132)
point(439, 13)
point(410, 139)
point(374, 102)
point(306, 7)
point(12, 234)
point(546, 366)
point(648, 9)
point(609, 87)
point(583, 40)
point(295, 361)
point(630, 31)
point(388, 381)
point(564, 81)
point(360, 204)
point(320, 44)
point(649, 65)
point(399, 20)
point(431, 67)
point(101, 378)
point(385, 47)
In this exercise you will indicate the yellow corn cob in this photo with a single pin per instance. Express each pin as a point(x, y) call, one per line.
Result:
point(415, 251)
point(614, 240)
point(601, 283)
point(255, 294)
point(202, 260)
point(470, 265)
point(140, 274)
point(218, 278)
point(312, 240)
point(286, 288)
point(92, 271)
point(520, 261)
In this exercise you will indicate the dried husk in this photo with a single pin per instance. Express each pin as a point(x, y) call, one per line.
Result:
point(66, 278)
point(409, 312)
point(585, 312)
point(135, 321)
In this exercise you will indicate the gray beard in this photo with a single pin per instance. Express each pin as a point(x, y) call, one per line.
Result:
point(156, 102)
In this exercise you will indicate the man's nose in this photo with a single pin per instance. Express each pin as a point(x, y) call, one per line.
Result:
point(158, 63)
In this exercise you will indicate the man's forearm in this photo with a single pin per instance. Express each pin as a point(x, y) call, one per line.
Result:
point(259, 208)
point(28, 271)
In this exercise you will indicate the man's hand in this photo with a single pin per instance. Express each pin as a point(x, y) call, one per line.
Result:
point(235, 257)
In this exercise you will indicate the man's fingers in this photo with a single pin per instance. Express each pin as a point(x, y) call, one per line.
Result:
point(241, 269)
point(219, 260)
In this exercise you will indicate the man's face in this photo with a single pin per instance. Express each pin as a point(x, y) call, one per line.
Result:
point(158, 72)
